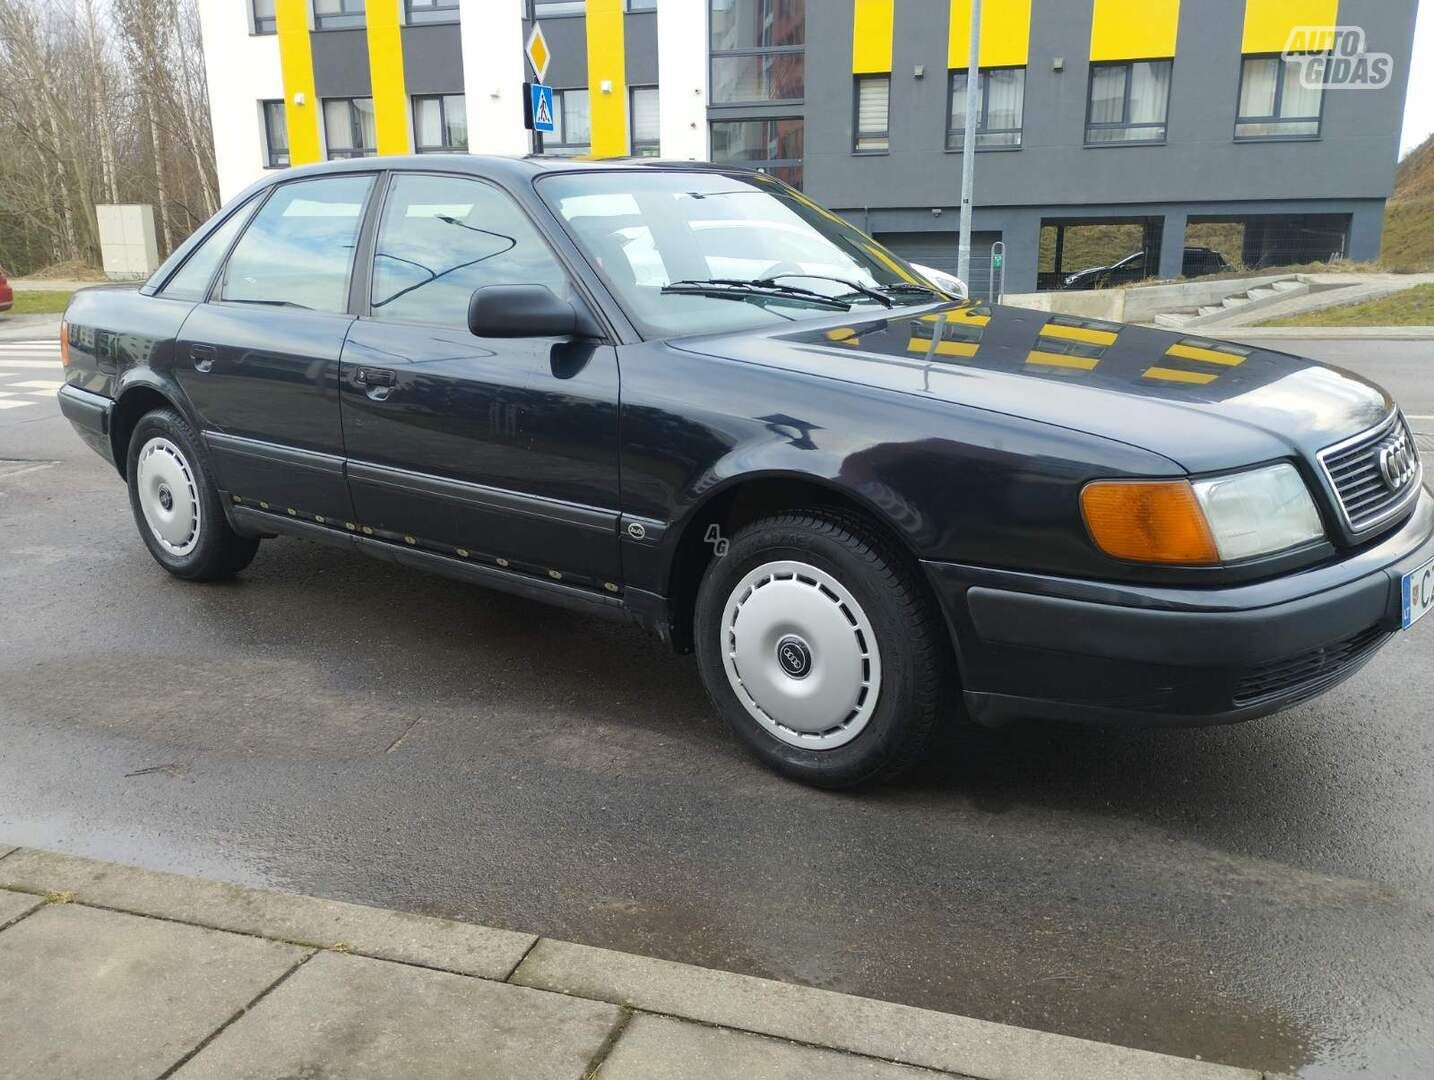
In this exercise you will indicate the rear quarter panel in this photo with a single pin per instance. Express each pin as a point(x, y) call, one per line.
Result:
point(119, 337)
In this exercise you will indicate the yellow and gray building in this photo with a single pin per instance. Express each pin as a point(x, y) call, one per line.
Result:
point(1160, 114)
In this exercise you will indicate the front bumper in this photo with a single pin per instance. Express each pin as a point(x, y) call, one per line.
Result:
point(1034, 646)
point(89, 414)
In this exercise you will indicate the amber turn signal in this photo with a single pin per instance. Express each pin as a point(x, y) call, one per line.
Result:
point(64, 343)
point(1148, 521)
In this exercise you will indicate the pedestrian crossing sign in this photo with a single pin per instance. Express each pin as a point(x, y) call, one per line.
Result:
point(542, 104)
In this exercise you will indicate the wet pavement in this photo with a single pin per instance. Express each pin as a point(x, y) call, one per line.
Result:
point(1261, 894)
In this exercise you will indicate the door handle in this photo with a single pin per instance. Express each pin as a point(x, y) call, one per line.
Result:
point(202, 356)
point(372, 377)
point(377, 382)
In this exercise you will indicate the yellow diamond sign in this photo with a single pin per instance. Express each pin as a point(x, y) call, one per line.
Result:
point(538, 53)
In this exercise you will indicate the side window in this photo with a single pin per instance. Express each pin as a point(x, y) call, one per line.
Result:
point(297, 251)
point(191, 281)
point(441, 238)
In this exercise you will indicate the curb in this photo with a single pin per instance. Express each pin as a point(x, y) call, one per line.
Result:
point(867, 1028)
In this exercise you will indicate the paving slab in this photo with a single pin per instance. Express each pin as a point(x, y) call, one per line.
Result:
point(14, 904)
point(97, 995)
point(365, 1019)
point(659, 1048)
point(390, 935)
point(880, 1029)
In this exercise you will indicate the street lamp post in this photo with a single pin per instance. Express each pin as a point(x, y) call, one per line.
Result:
point(968, 144)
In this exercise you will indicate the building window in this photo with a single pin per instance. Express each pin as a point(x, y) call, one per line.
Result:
point(349, 128)
point(773, 146)
point(276, 135)
point(643, 121)
point(430, 11)
point(873, 109)
point(547, 9)
point(338, 14)
point(263, 18)
point(572, 125)
point(1128, 102)
point(1274, 101)
point(999, 110)
point(440, 124)
point(758, 52)
point(641, 5)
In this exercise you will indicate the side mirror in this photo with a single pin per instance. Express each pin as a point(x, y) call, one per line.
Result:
point(514, 311)
point(948, 283)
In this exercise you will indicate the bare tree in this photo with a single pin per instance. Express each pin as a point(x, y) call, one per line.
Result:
point(100, 101)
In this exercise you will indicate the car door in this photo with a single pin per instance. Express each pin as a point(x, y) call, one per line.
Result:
point(497, 450)
point(259, 361)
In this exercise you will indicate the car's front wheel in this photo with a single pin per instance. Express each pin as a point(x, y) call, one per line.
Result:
point(821, 648)
point(176, 502)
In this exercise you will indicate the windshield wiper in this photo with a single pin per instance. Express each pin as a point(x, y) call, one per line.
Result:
point(911, 286)
point(738, 289)
point(856, 289)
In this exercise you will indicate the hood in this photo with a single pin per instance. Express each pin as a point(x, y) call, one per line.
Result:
point(1205, 404)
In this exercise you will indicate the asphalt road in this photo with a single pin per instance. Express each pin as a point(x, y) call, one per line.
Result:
point(327, 724)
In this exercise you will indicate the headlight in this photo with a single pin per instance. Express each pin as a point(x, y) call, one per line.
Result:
point(1201, 522)
point(1259, 512)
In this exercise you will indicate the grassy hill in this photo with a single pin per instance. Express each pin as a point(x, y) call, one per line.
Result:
point(1409, 214)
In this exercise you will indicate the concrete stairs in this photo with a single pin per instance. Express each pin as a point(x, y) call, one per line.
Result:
point(1237, 304)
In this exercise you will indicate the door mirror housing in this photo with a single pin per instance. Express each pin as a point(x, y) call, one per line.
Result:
point(949, 283)
point(516, 311)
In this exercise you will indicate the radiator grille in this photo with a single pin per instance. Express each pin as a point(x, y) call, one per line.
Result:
point(1309, 671)
point(1366, 497)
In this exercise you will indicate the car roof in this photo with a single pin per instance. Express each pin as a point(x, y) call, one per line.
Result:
point(501, 168)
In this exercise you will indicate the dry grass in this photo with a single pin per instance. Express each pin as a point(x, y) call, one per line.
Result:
point(1409, 235)
point(68, 271)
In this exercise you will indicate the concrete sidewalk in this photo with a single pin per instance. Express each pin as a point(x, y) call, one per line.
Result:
point(109, 972)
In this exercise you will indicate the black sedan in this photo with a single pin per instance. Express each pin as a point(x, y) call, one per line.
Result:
point(691, 397)
point(1194, 262)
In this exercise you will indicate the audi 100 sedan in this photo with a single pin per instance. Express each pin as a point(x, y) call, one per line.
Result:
point(688, 396)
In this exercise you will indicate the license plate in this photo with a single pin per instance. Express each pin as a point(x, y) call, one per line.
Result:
point(1417, 589)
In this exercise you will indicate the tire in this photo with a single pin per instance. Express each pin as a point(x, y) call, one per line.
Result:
point(176, 502)
point(821, 648)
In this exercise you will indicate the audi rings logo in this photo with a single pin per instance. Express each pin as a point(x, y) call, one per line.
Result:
point(794, 656)
point(1398, 462)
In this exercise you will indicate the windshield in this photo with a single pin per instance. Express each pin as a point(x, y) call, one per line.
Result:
point(693, 252)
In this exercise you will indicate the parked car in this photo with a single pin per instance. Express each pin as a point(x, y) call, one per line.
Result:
point(1197, 262)
point(7, 294)
point(860, 501)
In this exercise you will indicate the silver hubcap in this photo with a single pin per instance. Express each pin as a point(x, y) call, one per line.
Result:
point(167, 496)
point(801, 655)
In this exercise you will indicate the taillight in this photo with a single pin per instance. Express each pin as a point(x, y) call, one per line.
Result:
point(64, 343)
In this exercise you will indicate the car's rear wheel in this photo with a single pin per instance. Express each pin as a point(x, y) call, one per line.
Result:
point(176, 503)
point(821, 648)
